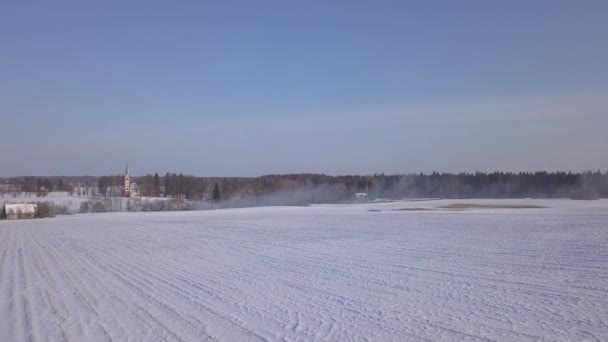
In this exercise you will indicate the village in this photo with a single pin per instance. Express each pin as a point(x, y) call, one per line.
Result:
point(29, 198)
point(43, 205)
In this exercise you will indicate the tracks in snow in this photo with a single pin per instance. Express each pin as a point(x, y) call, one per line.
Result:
point(304, 274)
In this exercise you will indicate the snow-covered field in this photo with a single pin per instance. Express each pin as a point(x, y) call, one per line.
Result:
point(328, 273)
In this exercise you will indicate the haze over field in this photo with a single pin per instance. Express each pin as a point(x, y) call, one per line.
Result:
point(240, 88)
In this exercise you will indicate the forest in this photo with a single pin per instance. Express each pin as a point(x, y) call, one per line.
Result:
point(298, 189)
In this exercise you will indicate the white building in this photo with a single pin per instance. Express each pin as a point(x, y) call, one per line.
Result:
point(361, 195)
point(20, 211)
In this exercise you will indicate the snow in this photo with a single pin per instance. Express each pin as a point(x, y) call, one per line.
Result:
point(332, 272)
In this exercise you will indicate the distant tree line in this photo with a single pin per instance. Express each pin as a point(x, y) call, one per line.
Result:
point(36, 184)
point(320, 188)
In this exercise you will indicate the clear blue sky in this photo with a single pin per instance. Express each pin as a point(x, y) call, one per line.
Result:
point(254, 87)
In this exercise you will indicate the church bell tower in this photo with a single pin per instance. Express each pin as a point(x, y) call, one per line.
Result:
point(127, 191)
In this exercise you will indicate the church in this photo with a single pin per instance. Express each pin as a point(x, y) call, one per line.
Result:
point(128, 189)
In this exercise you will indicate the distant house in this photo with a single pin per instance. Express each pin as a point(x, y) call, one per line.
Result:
point(42, 192)
point(20, 211)
point(361, 195)
point(8, 187)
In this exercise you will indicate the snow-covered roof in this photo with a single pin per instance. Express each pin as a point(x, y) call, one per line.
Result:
point(23, 208)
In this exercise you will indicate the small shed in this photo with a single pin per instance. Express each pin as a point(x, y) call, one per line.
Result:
point(20, 211)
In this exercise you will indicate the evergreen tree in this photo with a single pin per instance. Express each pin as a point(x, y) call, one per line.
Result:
point(167, 184)
point(48, 184)
point(156, 185)
point(216, 193)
